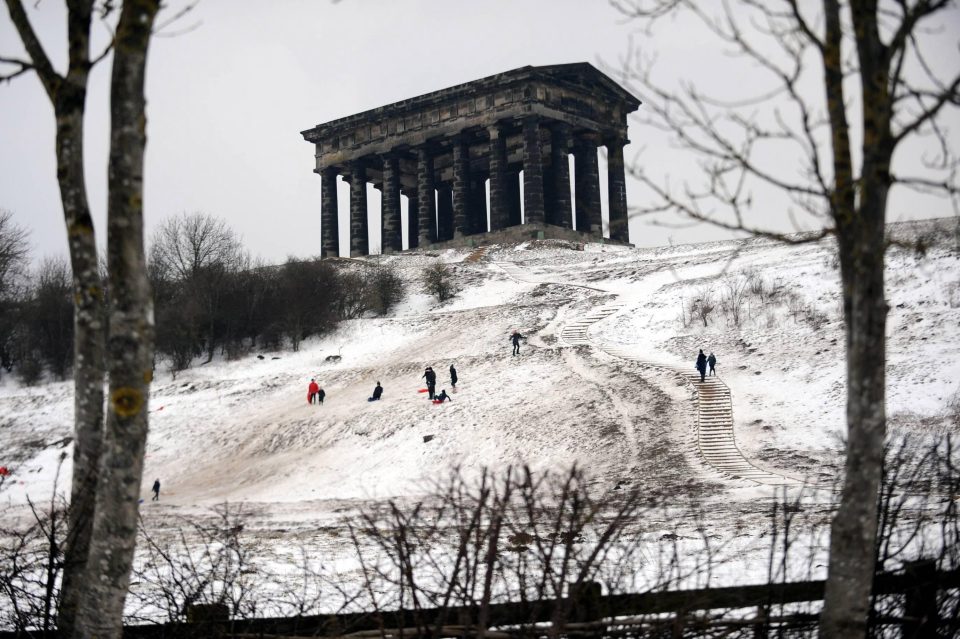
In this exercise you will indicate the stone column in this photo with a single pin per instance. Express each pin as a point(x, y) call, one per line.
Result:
point(563, 211)
point(498, 178)
point(588, 184)
point(392, 237)
point(359, 230)
point(329, 214)
point(426, 210)
point(512, 195)
point(413, 220)
point(533, 209)
point(444, 212)
point(617, 190)
point(477, 222)
point(461, 189)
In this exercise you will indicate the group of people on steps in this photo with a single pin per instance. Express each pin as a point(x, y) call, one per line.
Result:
point(703, 361)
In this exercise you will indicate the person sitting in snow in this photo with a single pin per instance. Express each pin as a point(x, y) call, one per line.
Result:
point(712, 362)
point(377, 392)
point(312, 391)
point(442, 397)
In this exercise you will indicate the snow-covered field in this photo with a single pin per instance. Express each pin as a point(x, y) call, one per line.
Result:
point(242, 431)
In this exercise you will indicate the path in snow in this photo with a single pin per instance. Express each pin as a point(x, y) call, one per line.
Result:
point(714, 440)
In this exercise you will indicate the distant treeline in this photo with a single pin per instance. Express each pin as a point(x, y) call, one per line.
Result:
point(210, 297)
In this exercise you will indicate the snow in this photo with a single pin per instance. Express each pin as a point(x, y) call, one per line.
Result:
point(241, 431)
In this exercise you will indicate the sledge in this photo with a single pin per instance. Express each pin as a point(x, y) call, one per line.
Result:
point(424, 390)
point(436, 401)
point(4, 471)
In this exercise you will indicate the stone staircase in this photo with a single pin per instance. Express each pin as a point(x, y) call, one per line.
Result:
point(713, 437)
point(476, 255)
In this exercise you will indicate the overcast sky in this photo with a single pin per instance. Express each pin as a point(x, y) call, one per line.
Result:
point(235, 81)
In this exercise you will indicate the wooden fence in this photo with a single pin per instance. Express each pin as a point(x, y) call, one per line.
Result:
point(588, 613)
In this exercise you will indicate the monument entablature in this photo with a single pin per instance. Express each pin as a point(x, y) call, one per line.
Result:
point(439, 149)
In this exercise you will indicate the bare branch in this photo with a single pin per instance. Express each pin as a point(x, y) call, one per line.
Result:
point(40, 62)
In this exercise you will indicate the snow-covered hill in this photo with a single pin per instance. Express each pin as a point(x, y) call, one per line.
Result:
point(242, 431)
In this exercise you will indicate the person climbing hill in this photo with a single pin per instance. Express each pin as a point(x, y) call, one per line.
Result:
point(702, 365)
point(312, 391)
point(712, 361)
point(453, 376)
point(156, 490)
point(515, 338)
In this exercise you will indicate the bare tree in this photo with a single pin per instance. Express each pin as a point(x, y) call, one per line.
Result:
point(13, 251)
point(899, 95)
point(185, 245)
point(107, 461)
point(13, 258)
point(67, 93)
point(49, 317)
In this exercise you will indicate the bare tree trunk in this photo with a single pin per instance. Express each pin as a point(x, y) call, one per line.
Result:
point(68, 97)
point(860, 233)
point(130, 343)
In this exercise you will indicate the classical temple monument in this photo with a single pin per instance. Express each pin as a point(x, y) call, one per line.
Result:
point(439, 149)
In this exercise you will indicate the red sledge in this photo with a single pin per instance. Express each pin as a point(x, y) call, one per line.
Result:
point(424, 390)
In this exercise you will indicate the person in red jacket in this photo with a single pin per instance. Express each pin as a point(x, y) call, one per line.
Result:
point(312, 391)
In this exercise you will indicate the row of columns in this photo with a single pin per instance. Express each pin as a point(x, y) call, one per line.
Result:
point(462, 203)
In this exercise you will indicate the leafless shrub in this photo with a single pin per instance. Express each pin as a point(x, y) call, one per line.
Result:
point(702, 305)
point(385, 288)
point(734, 297)
point(31, 563)
point(438, 279)
point(203, 564)
point(953, 409)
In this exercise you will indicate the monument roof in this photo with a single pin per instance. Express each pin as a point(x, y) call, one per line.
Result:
point(580, 74)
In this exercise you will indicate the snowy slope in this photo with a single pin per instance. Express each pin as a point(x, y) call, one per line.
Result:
point(242, 430)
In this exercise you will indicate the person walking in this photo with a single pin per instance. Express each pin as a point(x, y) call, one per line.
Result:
point(702, 365)
point(431, 378)
point(312, 391)
point(712, 362)
point(515, 338)
point(320, 395)
point(156, 490)
point(377, 392)
point(453, 376)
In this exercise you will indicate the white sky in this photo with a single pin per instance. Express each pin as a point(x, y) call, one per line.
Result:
point(228, 98)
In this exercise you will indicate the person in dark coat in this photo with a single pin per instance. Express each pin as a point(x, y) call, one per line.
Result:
point(377, 392)
point(320, 395)
point(431, 378)
point(702, 365)
point(515, 338)
point(442, 397)
point(453, 376)
point(712, 361)
point(156, 490)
